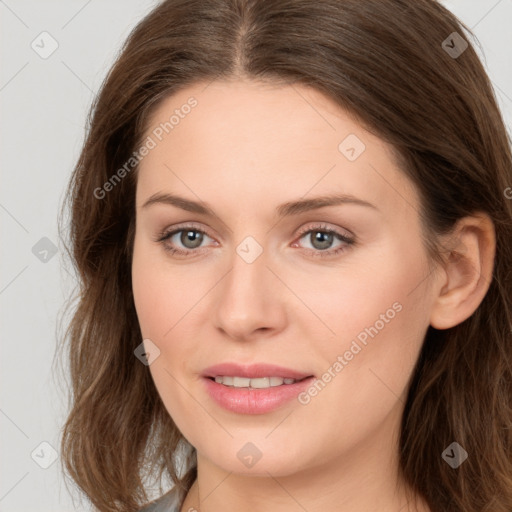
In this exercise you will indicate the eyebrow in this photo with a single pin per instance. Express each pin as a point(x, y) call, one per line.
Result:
point(283, 210)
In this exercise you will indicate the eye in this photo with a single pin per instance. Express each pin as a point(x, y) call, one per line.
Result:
point(189, 237)
point(322, 237)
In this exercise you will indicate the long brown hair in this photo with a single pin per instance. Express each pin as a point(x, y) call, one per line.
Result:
point(387, 62)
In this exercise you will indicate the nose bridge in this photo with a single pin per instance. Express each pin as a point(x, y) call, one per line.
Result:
point(249, 258)
point(248, 277)
point(246, 299)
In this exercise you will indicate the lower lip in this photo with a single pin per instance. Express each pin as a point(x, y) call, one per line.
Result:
point(254, 401)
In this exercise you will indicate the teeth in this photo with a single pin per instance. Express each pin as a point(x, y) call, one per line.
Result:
point(259, 383)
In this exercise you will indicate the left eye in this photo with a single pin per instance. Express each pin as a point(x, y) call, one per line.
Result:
point(322, 239)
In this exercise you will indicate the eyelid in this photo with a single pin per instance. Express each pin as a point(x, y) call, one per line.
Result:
point(194, 226)
point(305, 229)
point(322, 226)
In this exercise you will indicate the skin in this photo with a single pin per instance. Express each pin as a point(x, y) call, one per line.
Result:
point(245, 149)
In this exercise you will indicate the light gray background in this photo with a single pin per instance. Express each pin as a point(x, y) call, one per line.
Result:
point(43, 104)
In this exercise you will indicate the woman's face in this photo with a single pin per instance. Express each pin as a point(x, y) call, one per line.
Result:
point(339, 292)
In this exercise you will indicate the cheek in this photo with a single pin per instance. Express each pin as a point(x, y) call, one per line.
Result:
point(162, 294)
point(382, 321)
point(368, 299)
point(151, 302)
point(380, 327)
point(161, 298)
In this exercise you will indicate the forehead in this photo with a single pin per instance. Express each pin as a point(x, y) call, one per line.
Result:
point(260, 141)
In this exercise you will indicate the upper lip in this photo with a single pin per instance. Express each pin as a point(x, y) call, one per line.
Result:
point(253, 371)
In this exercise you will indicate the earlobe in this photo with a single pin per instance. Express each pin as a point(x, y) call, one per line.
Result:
point(467, 271)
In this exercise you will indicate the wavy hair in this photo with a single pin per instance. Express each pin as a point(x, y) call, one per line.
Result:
point(385, 62)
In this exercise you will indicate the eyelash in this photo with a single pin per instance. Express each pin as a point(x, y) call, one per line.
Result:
point(321, 228)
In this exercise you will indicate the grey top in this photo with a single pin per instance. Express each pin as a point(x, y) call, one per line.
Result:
point(169, 502)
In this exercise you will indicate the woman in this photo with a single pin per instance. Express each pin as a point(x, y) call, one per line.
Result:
point(292, 229)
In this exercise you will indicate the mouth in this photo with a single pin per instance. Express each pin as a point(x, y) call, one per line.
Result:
point(255, 389)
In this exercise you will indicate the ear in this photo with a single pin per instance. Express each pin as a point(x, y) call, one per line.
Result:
point(467, 271)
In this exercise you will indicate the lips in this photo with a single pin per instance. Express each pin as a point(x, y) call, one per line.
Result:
point(253, 371)
point(246, 400)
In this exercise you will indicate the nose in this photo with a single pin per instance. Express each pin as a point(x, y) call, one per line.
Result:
point(249, 301)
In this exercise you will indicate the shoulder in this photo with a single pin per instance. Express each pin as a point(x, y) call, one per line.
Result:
point(169, 502)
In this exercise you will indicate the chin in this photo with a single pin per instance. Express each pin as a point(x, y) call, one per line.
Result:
point(259, 458)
